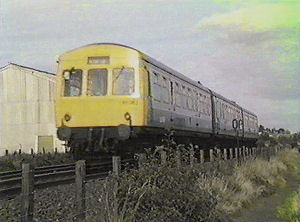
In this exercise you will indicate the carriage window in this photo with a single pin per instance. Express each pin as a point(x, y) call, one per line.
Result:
point(184, 97)
point(195, 101)
point(189, 99)
point(123, 81)
point(97, 82)
point(165, 90)
point(155, 87)
point(73, 83)
point(177, 95)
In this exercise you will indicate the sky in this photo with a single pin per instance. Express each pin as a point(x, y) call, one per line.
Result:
point(248, 51)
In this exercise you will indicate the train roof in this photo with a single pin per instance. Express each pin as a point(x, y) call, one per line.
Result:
point(169, 70)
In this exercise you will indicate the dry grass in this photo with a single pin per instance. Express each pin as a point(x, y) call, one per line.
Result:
point(249, 180)
point(156, 193)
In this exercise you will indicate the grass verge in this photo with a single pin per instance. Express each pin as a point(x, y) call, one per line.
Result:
point(290, 210)
point(167, 193)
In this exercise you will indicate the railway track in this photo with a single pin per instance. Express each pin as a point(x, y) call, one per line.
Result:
point(11, 181)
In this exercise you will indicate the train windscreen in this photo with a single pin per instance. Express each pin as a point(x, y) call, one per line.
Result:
point(97, 82)
point(73, 83)
point(123, 81)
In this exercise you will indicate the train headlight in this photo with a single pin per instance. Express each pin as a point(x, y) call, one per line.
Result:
point(127, 116)
point(67, 117)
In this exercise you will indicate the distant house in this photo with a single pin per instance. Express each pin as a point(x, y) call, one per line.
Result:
point(27, 99)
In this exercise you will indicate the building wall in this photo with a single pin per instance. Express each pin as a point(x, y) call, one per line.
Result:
point(27, 100)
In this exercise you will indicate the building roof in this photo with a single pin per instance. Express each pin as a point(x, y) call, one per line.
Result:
point(25, 67)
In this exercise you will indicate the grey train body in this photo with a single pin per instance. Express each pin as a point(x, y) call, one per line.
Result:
point(183, 105)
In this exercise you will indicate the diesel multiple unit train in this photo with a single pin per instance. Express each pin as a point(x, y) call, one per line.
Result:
point(110, 94)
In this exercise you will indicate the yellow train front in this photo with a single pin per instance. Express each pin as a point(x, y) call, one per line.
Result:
point(101, 96)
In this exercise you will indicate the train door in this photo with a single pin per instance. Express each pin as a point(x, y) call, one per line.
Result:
point(218, 115)
point(213, 112)
point(172, 103)
point(242, 122)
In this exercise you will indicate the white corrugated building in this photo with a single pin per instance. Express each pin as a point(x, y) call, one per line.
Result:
point(27, 99)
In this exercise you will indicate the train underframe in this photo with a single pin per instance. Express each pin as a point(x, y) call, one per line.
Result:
point(123, 140)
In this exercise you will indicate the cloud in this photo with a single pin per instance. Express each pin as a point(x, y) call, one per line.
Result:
point(256, 19)
point(255, 57)
point(255, 23)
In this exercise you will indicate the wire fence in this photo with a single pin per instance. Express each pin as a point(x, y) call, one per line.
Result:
point(81, 199)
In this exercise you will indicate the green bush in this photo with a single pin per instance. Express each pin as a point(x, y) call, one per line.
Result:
point(290, 210)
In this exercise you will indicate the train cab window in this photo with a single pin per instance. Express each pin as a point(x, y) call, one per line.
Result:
point(123, 81)
point(73, 83)
point(97, 82)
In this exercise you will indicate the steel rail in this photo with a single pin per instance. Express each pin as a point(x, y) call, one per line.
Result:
point(45, 177)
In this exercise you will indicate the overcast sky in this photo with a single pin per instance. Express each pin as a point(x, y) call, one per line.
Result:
point(248, 51)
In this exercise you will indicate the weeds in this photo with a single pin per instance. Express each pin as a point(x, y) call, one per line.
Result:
point(290, 210)
point(169, 193)
point(14, 162)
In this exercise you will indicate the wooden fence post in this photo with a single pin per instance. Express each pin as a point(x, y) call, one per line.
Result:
point(80, 173)
point(178, 158)
point(260, 152)
point(201, 156)
point(192, 156)
point(244, 152)
point(219, 154)
point(116, 165)
point(240, 153)
point(141, 159)
point(163, 156)
point(27, 193)
point(225, 154)
point(231, 153)
point(211, 155)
